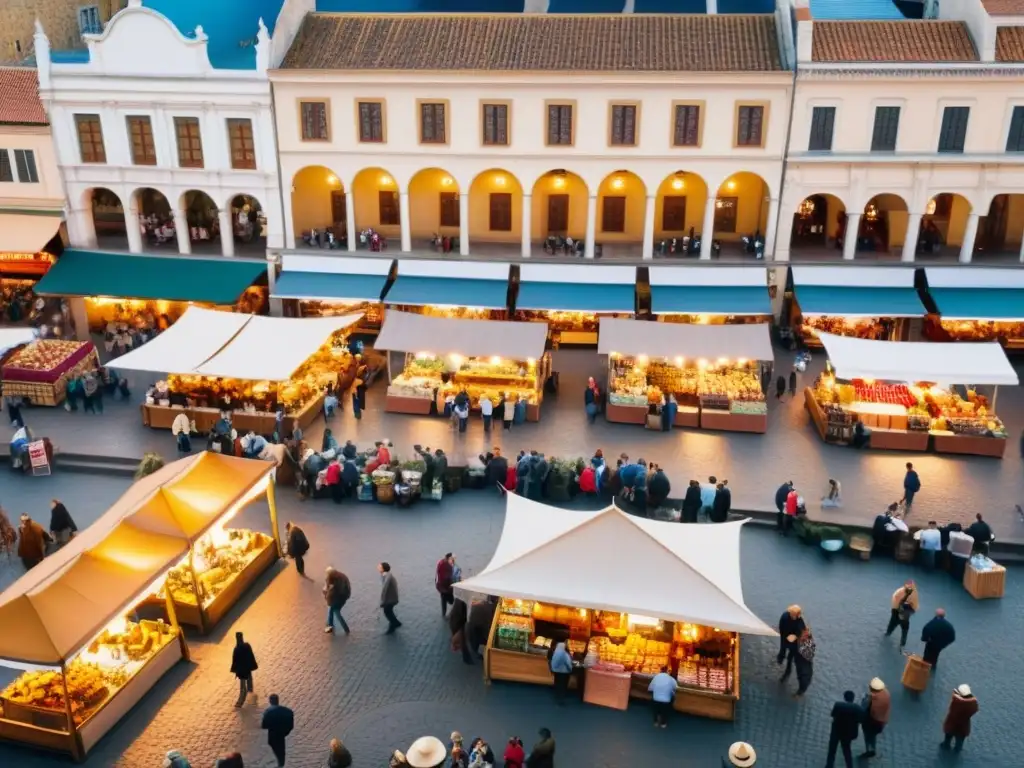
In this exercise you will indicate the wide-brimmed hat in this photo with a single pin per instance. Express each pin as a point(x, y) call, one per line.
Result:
point(876, 684)
point(426, 752)
point(964, 689)
point(742, 754)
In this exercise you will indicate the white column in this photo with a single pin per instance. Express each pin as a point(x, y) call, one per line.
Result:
point(648, 247)
point(464, 223)
point(712, 6)
point(350, 220)
point(82, 228)
point(771, 227)
point(707, 233)
point(181, 231)
point(850, 236)
point(591, 227)
point(527, 216)
point(227, 232)
point(913, 232)
point(403, 215)
point(132, 226)
point(970, 233)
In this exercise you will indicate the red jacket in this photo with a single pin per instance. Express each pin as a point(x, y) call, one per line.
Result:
point(510, 478)
point(443, 576)
point(333, 476)
point(514, 756)
point(588, 482)
point(791, 504)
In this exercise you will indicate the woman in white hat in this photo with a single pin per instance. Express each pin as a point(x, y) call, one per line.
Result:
point(741, 755)
point(426, 752)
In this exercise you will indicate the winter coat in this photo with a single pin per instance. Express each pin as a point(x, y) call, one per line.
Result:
point(721, 506)
point(32, 541)
point(298, 544)
point(938, 632)
point(349, 473)
point(443, 576)
point(588, 396)
point(543, 754)
point(692, 501)
point(440, 466)
point(338, 589)
point(588, 482)
point(659, 485)
point(900, 596)
point(514, 756)
point(876, 706)
point(846, 717)
point(389, 590)
point(497, 470)
point(458, 616)
point(60, 519)
point(243, 661)
point(509, 411)
point(790, 626)
point(911, 482)
point(780, 496)
point(958, 717)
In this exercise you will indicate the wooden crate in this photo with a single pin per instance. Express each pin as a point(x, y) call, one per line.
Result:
point(916, 673)
point(984, 584)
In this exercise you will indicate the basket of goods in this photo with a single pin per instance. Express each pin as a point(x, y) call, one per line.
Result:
point(384, 482)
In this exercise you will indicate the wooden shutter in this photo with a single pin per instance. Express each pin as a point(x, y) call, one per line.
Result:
point(954, 129)
point(886, 129)
point(1015, 138)
point(243, 149)
point(432, 124)
point(388, 201)
point(749, 126)
point(190, 142)
point(371, 121)
point(725, 214)
point(673, 213)
point(449, 209)
point(496, 124)
point(558, 214)
point(500, 212)
point(613, 214)
point(314, 121)
point(623, 125)
point(90, 138)
point(339, 208)
point(560, 124)
point(140, 133)
point(686, 128)
point(822, 126)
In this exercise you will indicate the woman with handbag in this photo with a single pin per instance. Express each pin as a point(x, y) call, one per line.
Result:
point(905, 602)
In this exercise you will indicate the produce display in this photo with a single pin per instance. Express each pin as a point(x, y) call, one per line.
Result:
point(493, 377)
point(563, 321)
point(982, 330)
point(705, 657)
point(458, 313)
point(109, 661)
point(373, 311)
point(218, 558)
point(856, 327)
point(894, 394)
point(40, 371)
point(711, 319)
point(733, 388)
point(159, 314)
point(635, 654)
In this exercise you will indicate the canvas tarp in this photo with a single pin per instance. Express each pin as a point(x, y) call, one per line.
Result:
point(950, 363)
point(14, 337)
point(693, 341)
point(608, 560)
point(58, 606)
point(408, 332)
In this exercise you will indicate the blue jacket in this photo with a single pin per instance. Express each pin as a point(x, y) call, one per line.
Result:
point(561, 661)
point(912, 482)
point(628, 474)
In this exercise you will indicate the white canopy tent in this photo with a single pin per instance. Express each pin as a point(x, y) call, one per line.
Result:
point(952, 363)
point(608, 560)
point(409, 332)
point(750, 341)
point(15, 337)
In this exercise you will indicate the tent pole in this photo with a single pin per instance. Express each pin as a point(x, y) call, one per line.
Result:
point(77, 751)
point(272, 503)
point(995, 396)
point(195, 589)
point(172, 617)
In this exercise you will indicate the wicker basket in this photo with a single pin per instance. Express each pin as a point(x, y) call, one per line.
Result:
point(385, 494)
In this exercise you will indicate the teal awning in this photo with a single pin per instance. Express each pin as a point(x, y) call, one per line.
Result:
point(860, 301)
point(979, 303)
point(450, 291)
point(573, 297)
point(711, 300)
point(138, 276)
point(329, 287)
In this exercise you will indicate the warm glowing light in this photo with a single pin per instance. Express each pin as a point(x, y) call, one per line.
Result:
point(723, 360)
point(332, 180)
point(742, 361)
point(531, 361)
point(424, 355)
point(677, 183)
point(495, 360)
point(641, 360)
point(679, 361)
point(499, 181)
point(618, 183)
point(702, 363)
point(456, 359)
point(583, 612)
point(636, 620)
point(703, 319)
point(385, 180)
point(869, 382)
point(559, 182)
point(730, 185)
point(447, 181)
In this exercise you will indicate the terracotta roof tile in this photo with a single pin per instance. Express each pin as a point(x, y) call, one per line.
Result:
point(537, 42)
point(1004, 7)
point(19, 97)
point(1010, 44)
point(908, 41)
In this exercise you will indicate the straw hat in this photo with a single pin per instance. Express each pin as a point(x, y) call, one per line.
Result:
point(964, 689)
point(426, 752)
point(877, 684)
point(742, 755)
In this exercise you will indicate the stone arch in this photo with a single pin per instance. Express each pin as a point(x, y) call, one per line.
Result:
point(319, 201)
point(819, 221)
point(433, 203)
point(883, 223)
point(376, 202)
point(621, 206)
point(680, 199)
point(559, 202)
point(742, 203)
point(495, 207)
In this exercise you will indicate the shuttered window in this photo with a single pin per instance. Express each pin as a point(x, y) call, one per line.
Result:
point(1015, 138)
point(449, 209)
point(500, 212)
point(25, 162)
point(6, 172)
point(822, 125)
point(432, 124)
point(190, 142)
point(954, 129)
point(140, 133)
point(673, 213)
point(613, 214)
point(388, 202)
point(749, 126)
point(314, 121)
point(90, 138)
point(559, 124)
point(371, 121)
point(623, 128)
point(496, 125)
point(243, 148)
point(686, 126)
point(887, 126)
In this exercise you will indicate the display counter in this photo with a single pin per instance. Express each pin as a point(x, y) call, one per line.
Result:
point(372, 311)
point(949, 442)
point(875, 328)
point(726, 421)
point(569, 328)
point(40, 371)
point(262, 423)
point(705, 661)
point(155, 315)
point(1008, 333)
point(625, 414)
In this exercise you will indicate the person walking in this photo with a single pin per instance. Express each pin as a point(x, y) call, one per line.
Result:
point(508, 411)
point(780, 388)
point(486, 411)
point(590, 400)
point(904, 604)
point(32, 540)
point(298, 546)
point(875, 706)
point(911, 485)
point(691, 502)
point(780, 504)
point(937, 635)
point(462, 414)
point(791, 625)
point(543, 753)
point(662, 689)
point(62, 527)
point(457, 620)
point(804, 659)
point(561, 668)
point(957, 725)
point(443, 582)
point(792, 381)
point(388, 596)
point(337, 591)
point(243, 664)
point(338, 755)
point(278, 721)
point(846, 717)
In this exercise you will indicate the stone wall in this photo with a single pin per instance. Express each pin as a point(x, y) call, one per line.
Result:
point(59, 18)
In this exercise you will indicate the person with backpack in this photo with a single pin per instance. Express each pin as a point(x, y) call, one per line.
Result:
point(298, 546)
point(904, 604)
point(911, 485)
point(337, 591)
point(278, 722)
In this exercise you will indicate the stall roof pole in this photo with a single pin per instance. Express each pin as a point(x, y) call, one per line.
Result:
point(995, 396)
point(195, 589)
point(77, 751)
point(172, 616)
point(272, 503)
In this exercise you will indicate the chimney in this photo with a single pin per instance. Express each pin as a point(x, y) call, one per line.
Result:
point(804, 31)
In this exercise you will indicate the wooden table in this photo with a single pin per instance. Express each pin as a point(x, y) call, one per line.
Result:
point(984, 584)
point(974, 445)
point(625, 414)
point(733, 422)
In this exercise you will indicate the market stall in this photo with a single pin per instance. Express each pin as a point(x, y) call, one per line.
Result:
point(246, 365)
point(714, 372)
point(859, 302)
point(78, 648)
point(11, 338)
point(571, 299)
point(976, 304)
point(712, 295)
point(453, 289)
point(492, 357)
point(676, 600)
point(906, 395)
point(40, 371)
point(327, 286)
point(29, 244)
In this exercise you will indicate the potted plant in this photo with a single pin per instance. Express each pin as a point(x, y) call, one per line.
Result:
point(151, 462)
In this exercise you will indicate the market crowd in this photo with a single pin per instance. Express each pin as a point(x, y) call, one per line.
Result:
point(31, 541)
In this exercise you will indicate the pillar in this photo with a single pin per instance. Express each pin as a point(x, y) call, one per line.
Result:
point(648, 247)
point(913, 232)
point(771, 227)
point(403, 219)
point(82, 228)
point(527, 244)
point(712, 7)
point(850, 236)
point(79, 317)
point(591, 226)
point(181, 231)
point(132, 226)
point(350, 220)
point(970, 233)
point(227, 232)
point(707, 233)
point(464, 223)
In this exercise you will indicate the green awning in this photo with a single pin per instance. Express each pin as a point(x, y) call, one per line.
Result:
point(141, 276)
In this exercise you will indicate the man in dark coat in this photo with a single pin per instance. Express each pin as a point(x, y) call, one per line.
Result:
point(457, 620)
point(497, 468)
point(911, 485)
point(481, 616)
point(658, 487)
point(443, 581)
point(349, 477)
point(937, 635)
point(337, 591)
point(278, 722)
point(538, 476)
point(846, 717)
point(298, 546)
point(981, 532)
point(780, 504)
point(427, 481)
point(692, 502)
point(243, 664)
point(791, 624)
point(722, 504)
point(62, 527)
point(523, 466)
point(543, 753)
point(441, 467)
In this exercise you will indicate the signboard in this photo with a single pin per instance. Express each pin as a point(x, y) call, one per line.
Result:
point(37, 458)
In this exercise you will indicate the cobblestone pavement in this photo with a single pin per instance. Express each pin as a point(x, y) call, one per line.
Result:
point(954, 487)
point(380, 692)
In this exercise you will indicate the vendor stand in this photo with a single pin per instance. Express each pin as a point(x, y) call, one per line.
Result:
point(328, 286)
point(676, 601)
point(484, 357)
point(903, 394)
point(452, 289)
point(245, 365)
point(40, 370)
point(572, 299)
point(860, 302)
point(976, 304)
point(714, 372)
point(709, 295)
